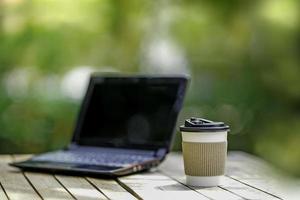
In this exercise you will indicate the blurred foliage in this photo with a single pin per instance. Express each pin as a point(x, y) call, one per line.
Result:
point(243, 57)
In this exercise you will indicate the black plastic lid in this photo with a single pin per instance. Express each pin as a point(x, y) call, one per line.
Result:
point(203, 125)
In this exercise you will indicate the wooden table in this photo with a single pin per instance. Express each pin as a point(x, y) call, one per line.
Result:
point(247, 177)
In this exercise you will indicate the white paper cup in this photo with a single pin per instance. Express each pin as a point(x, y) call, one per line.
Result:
point(204, 148)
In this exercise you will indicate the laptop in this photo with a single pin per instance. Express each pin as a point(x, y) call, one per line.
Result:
point(125, 125)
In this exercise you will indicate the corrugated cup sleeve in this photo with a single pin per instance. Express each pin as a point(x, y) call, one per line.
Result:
point(204, 159)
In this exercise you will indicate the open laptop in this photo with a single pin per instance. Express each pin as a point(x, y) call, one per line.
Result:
point(125, 125)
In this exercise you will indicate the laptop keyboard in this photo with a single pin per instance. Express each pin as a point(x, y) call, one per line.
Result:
point(114, 159)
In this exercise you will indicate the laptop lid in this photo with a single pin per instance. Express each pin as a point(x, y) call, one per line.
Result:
point(135, 112)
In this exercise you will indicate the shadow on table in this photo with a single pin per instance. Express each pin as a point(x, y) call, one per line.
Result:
point(173, 187)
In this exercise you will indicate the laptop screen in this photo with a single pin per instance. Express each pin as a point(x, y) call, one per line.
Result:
point(130, 112)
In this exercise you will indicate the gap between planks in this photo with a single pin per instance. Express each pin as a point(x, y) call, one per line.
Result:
point(111, 188)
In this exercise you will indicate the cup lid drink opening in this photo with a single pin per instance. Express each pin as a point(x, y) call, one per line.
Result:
point(203, 125)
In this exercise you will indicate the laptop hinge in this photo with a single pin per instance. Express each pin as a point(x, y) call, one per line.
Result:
point(161, 152)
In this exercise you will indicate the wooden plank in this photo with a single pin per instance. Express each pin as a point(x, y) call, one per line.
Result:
point(4, 160)
point(111, 189)
point(217, 193)
point(13, 181)
point(21, 157)
point(244, 190)
point(154, 185)
point(80, 188)
point(47, 186)
point(2, 193)
point(258, 174)
point(175, 159)
point(243, 166)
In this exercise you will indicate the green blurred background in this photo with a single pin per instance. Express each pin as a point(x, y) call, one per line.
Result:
point(243, 57)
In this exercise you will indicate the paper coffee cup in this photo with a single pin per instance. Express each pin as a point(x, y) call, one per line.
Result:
point(204, 148)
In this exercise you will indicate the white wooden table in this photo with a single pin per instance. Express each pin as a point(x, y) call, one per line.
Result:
point(247, 177)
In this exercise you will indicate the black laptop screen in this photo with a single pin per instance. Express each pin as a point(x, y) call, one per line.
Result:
point(130, 112)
